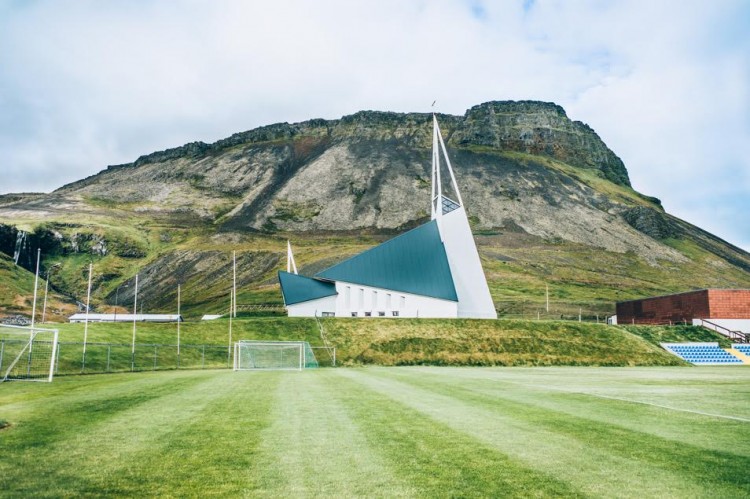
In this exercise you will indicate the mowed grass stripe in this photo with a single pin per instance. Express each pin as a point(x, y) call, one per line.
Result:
point(436, 459)
point(109, 437)
point(706, 432)
point(722, 472)
point(315, 448)
point(588, 468)
point(214, 452)
point(724, 390)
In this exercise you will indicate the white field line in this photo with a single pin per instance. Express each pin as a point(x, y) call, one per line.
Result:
point(735, 418)
point(621, 399)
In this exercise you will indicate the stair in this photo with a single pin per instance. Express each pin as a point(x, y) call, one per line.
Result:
point(744, 358)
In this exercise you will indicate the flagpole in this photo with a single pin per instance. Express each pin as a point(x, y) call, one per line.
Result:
point(36, 283)
point(86, 321)
point(135, 310)
point(178, 325)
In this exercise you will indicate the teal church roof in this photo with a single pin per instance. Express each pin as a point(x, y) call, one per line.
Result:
point(414, 262)
point(298, 288)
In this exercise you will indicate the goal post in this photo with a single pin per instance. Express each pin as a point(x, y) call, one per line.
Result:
point(27, 354)
point(273, 355)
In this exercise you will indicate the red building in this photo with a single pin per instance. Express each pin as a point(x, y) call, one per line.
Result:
point(684, 307)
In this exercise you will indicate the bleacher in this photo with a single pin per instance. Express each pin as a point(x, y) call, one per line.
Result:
point(701, 353)
point(742, 347)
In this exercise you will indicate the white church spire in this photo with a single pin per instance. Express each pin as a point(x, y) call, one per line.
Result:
point(474, 299)
point(441, 204)
point(290, 265)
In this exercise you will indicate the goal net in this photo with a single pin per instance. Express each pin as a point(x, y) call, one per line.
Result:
point(273, 355)
point(27, 354)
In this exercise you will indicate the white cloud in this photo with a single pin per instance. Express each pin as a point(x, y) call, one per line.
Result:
point(665, 84)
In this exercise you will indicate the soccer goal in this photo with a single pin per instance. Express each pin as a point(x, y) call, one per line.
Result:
point(273, 355)
point(27, 354)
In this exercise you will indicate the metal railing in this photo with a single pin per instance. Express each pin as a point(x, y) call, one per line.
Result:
point(737, 336)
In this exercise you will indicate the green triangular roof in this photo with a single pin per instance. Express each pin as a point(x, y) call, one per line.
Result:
point(298, 288)
point(414, 262)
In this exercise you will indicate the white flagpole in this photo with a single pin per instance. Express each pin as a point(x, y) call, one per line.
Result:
point(234, 283)
point(36, 282)
point(46, 289)
point(178, 325)
point(86, 321)
point(135, 311)
point(229, 347)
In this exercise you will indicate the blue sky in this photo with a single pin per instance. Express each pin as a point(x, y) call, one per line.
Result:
point(666, 84)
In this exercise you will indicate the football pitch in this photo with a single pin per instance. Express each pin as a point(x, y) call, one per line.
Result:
point(381, 432)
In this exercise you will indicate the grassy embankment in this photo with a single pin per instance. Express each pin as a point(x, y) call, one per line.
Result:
point(395, 342)
point(398, 432)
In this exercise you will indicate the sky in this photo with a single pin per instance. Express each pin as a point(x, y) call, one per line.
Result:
point(665, 83)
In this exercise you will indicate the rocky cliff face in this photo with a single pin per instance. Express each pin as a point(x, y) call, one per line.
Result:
point(370, 170)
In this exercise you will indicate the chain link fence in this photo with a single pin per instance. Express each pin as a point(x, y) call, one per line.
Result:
point(120, 357)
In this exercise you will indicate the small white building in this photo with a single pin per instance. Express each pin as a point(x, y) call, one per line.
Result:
point(126, 318)
point(432, 271)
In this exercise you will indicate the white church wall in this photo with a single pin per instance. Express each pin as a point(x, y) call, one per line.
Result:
point(474, 299)
point(367, 301)
point(309, 308)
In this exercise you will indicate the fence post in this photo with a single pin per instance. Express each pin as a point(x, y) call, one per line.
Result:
point(156, 349)
point(203, 358)
point(57, 359)
point(2, 350)
point(109, 354)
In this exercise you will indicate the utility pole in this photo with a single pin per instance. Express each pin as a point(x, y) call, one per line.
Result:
point(86, 321)
point(547, 296)
point(36, 283)
point(234, 284)
point(135, 314)
point(229, 347)
point(46, 289)
point(178, 325)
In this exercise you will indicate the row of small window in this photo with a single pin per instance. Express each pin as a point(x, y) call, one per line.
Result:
point(380, 314)
point(366, 314)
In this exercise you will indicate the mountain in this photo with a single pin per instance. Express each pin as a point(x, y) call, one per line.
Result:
point(550, 204)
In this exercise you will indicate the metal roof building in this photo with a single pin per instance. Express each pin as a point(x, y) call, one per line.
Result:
point(126, 318)
point(430, 271)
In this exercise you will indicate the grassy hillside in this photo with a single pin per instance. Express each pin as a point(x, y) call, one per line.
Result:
point(17, 292)
point(390, 432)
point(395, 342)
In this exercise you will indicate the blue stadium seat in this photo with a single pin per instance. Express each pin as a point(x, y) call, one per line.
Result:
point(704, 353)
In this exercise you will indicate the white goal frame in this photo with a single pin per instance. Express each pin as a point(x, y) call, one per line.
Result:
point(27, 337)
point(301, 357)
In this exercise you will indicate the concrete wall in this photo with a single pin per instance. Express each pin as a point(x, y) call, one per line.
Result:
point(741, 325)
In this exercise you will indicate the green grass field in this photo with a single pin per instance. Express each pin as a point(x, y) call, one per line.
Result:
point(381, 432)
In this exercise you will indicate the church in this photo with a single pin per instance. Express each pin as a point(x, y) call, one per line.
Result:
point(431, 271)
